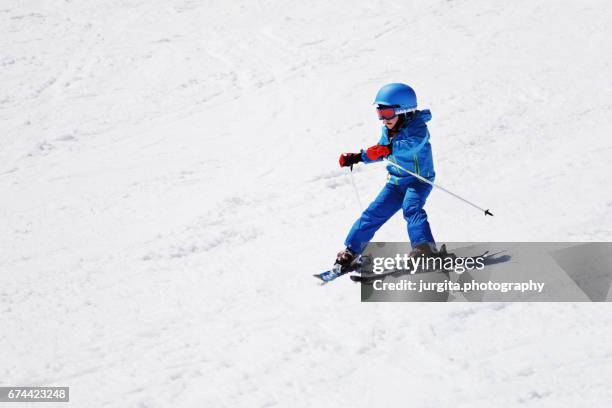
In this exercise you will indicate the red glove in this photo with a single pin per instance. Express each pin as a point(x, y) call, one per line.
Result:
point(377, 151)
point(348, 159)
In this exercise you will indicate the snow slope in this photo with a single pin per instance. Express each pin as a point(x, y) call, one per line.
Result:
point(169, 183)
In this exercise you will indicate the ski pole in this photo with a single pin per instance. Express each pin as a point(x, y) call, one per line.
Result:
point(486, 212)
point(355, 188)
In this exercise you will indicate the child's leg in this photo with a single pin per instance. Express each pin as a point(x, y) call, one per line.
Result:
point(418, 226)
point(388, 202)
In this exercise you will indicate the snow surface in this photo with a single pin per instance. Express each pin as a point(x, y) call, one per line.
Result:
point(169, 183)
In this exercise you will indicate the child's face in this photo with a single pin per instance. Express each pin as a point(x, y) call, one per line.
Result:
point(389, 123)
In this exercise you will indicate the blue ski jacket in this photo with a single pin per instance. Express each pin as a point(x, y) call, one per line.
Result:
point(410, 148)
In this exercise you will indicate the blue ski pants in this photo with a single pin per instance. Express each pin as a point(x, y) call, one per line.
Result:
point(410, 198)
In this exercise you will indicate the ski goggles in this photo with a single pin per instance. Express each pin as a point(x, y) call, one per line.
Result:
point(388, 113)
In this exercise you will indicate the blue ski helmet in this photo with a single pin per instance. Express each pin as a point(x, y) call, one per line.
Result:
point(397, 95)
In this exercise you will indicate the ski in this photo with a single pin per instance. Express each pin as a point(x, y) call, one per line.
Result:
point(371, 277)
point(337, 270)
point(331, 274)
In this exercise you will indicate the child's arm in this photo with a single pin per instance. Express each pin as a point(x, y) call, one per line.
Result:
point(371, 155)
point(375, 153)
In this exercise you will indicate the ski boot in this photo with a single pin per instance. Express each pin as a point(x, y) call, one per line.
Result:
point(426, 250)
point(345, 258)
point(346, 261)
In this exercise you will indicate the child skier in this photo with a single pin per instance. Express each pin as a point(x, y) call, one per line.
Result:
point(405, 141)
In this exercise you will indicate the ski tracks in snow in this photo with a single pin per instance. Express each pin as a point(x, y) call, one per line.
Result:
point(169, 184)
